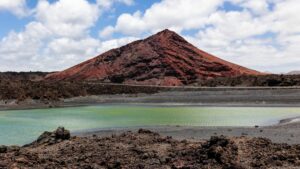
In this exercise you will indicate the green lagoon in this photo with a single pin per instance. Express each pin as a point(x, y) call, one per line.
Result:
point(23, 126)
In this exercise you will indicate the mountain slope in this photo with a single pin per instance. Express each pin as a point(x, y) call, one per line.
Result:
point(162, 59)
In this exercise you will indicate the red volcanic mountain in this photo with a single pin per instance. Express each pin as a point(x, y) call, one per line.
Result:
point(162, 59)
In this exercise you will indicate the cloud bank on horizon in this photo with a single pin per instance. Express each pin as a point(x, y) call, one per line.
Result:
point(50, 35)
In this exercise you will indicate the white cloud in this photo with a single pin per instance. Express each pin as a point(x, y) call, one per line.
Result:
point(18, 50)
point(63, 53)
point(285, 17)
point(114, 43)
point(57, 39)
point(68, 18)
point(106, 32)
point(255, 6)
point(230, 26)
point(17, 7)
point(175, 14)
point(23, 52)
point(66, 52)
point(108, 3)
point(19, 46)
point(65, 46)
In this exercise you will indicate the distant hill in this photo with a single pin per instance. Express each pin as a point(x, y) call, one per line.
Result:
point(297, 72)
point(161, 59)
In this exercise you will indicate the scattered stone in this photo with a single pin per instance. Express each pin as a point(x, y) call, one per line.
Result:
point(21, 160)
point(244, 134)
point(62, 133)
point(13, 148)
point(3, 149)
point(144, 131)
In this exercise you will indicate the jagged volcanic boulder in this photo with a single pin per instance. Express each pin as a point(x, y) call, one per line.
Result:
point(56, 136)
point(162, 59)
point(3, 149)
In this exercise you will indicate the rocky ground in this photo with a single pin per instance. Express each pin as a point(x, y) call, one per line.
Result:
point(24, 86)
point(21, 90)
point(146, 149)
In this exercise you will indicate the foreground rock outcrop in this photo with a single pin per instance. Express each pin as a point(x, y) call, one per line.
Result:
point(48, 138)
point(146, 149)
point(162, 59)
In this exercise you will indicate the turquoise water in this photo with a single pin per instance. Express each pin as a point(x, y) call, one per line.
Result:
point(23, 126)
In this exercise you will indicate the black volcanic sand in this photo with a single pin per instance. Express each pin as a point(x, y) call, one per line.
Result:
point(147, 149)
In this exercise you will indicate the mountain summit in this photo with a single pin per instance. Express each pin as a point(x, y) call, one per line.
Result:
point(161, 59)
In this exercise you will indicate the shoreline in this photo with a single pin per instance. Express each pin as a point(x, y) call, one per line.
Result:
point(61, 105)
point(233, 98)
point(205, 97)
point(280, 133)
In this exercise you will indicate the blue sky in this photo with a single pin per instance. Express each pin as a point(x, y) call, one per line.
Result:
point(10, 22)
point(48, 35)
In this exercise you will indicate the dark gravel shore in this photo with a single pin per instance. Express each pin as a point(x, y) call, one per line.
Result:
point(282, 133)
